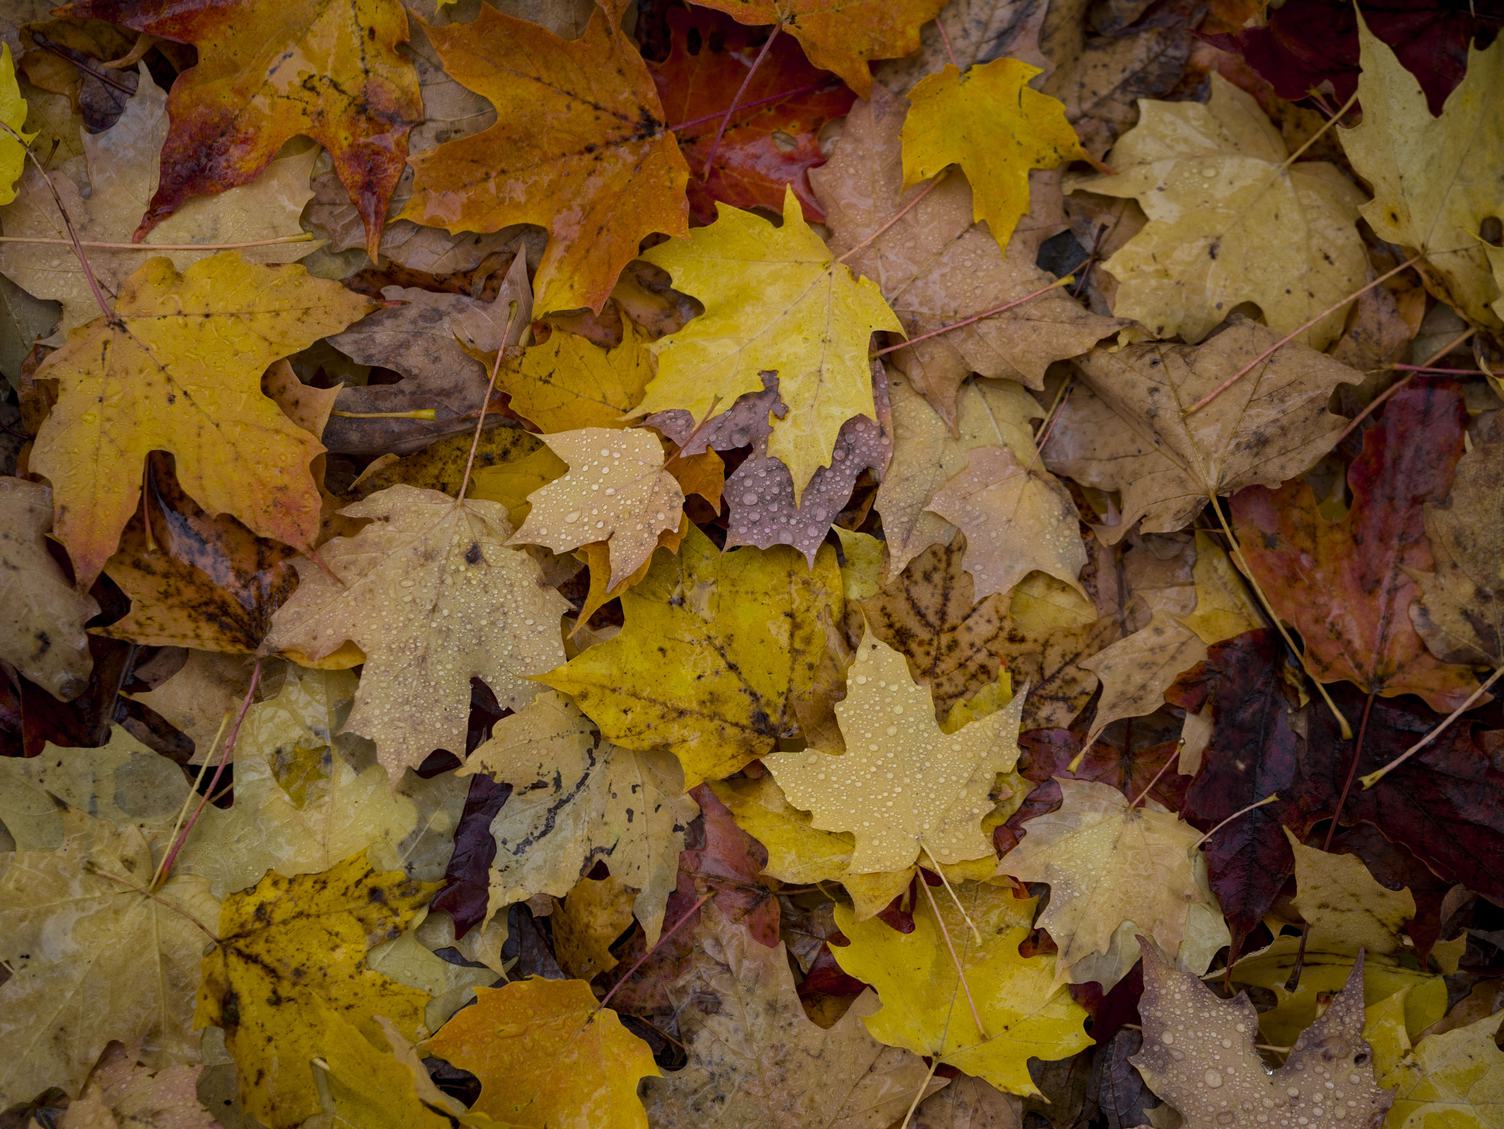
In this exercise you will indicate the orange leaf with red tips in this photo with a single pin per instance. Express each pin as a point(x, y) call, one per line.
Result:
point(269, 72)
point(579, 147)
point(1347, 585)
point(772, 138)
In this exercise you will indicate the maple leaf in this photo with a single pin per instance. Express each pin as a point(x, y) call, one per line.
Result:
point(775, 301)
point(1200, 1056)
point(179, 369)
point(773, 137)
point(616, 490)
point(547, 1054)
point(266, 74)
point(1016, 518)
point(425, 562)
point(115, 962)
point(756, 1059)
point(1435, 180)
point(1095, 852)
point(1460, 609)
point(590, 919)
point(107, 190)
point(42, 627)
point(291, 947)
point(1129, 429)
point(1230, 221)
point(1347, 585)
point(840, 35)
point(902, 787)
point(13, 114)
point(988, 121)
point(568, 382)
point(721, 654)
point(576, 802)
point(1023, 1011)
point(1453, 1077)
point(579, 122)
point(935, 268)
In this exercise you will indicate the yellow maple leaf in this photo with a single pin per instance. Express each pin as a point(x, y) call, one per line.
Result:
point(1230, 221)
point(13, 114)
point(1116, 872)
point(721, 654)
point(996, 128)
point(569, 382)
point(179, 370)
point(841, 35)
point(1451, 1079)
point(291, 948)
point(1024, 1012)
point(903, 788)
point(432, 595)
point(1435, 180)
point(775, 301)
point(546, 1054)
point(616, 491)
point(580, 148)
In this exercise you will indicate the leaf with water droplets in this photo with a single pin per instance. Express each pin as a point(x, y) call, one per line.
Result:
point(1115, 872)
point(616, 491)
point(1017, 519)
point(1199, 1055)
point(434, 597)
point(903, 788)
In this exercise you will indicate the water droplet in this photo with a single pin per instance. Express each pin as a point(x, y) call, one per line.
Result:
point(572, 516)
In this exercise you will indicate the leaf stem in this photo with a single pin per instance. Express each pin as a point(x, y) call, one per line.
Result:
point(1374, 404)
point(1272, 797)
point(964, 322)
point(480, 420)
point(1468, 703)
point(949, 889)
point(157, 248)
point(1149, 787)
point(1326, 125)
point(720, 132)
point(640, 961)
point(896, 216)
point(960, 971)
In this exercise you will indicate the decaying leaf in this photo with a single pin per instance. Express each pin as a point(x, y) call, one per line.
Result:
point(433, 597)
point(123, 1094)
point(1199, 1056)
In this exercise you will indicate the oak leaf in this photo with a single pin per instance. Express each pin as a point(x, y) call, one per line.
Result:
point(107, 189)
point(1230, 221)
point(42, 624)
point(1347, 585)
point(95, 957)
point(291, 948)
point(179, 370)
point(903, 788)
point(432, 595)
point(1435, 179)
point(720, 656)
point(1200, 1056)
point(577, 801)
point(266, 74)
point(841, 35)
point(546, 1054)
point(936, 268)
point(616, 490)
point(1453, 1078)
point(1130, 430)
point(580, 125)
point(932, 1001)
point(775, 301)
point(755, 1058)
point(988, 121)
point(1097, 854)
point(1017, 519)
point(569, 382)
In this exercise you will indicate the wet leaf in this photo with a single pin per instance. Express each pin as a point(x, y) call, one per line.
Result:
point(568, 382)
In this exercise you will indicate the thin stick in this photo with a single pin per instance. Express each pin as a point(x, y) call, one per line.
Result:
point(638, 963)
point(964, 322)
point(1272, 797)
point(1294, 333)
point(1253, 582)
point(94, 288)
point(1468, 703)
point(960, 972)
point(740, 90)
point(949, 889)
point(480, 420)
point(226, 751)
point(1149, 787)
point(896, 216)
point(156, 248)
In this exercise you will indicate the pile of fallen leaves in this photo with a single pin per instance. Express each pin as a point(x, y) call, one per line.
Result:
point(848, 563)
